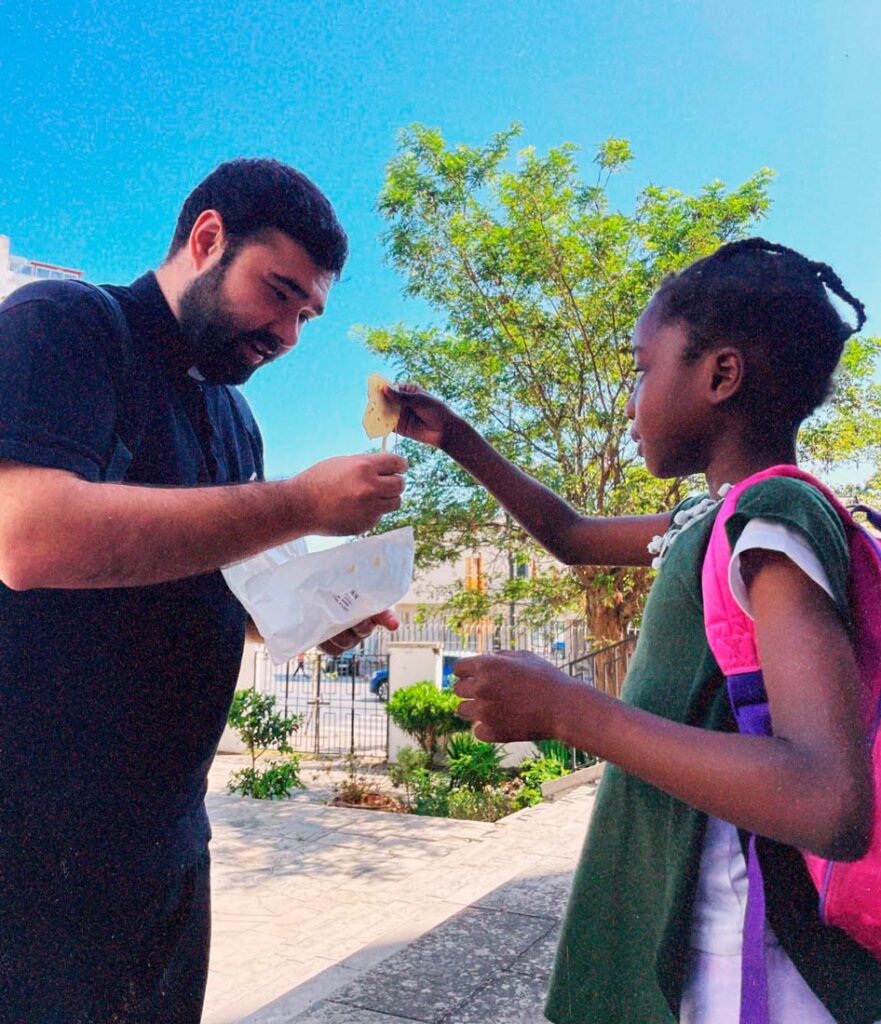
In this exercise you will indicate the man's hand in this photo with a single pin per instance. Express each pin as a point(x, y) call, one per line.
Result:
point(355, 634)
point(349, 494)
point(510, 696)
point(423, 417)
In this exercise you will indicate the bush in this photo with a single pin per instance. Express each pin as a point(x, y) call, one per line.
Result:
point(427, 714)
point(260, 727)
point(432, 795)
point(427, 791)
point(479, 805)
point(473, 763)
point(407, 773)
point(569, 756)
point(274, 782)
point(532, 773)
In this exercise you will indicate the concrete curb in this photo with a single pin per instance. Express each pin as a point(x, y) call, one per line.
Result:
point(556, 787)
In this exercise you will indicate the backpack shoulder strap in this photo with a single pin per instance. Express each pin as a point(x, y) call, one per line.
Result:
point(129, 406)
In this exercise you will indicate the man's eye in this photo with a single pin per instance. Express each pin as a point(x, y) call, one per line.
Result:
point(279, 294)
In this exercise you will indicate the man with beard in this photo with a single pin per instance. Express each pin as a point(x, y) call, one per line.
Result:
point(130, 471)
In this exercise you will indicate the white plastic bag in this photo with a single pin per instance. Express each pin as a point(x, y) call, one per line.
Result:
point(298, 600)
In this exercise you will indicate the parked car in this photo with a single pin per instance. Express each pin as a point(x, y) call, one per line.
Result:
point(379, 680)
point(379, 683)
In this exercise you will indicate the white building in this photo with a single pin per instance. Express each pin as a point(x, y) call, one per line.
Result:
point(16, 270)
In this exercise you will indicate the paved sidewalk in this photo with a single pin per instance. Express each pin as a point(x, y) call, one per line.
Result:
point(327, 915)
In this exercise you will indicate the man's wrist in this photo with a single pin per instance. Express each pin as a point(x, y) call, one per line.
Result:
point(297, 507)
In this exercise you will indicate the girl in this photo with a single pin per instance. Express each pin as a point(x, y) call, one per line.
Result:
point(731, 355)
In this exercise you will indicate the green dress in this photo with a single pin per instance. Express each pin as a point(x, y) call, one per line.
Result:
point(625, 941)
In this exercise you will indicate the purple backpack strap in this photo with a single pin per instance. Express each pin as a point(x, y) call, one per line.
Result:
point(731, 635)
point(870, 514)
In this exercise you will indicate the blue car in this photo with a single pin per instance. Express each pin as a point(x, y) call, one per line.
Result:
point(379, 683)
point(379, 680)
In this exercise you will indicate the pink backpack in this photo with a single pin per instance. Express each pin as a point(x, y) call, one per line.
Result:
point(850, 892)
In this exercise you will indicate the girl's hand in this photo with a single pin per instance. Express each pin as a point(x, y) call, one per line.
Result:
point(510, 696)
point(423, 417)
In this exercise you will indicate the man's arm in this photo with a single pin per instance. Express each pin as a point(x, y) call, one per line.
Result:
point(573, 538)
point(60, 531)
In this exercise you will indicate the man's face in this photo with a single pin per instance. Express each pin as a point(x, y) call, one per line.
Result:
point(246, 311)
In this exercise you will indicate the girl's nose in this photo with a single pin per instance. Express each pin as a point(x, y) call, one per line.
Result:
point(630, 408)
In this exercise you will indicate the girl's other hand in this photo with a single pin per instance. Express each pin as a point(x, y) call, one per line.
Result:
point(423, 417)
point(510, 696)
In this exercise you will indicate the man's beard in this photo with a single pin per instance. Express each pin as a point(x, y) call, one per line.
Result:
point(210, 331)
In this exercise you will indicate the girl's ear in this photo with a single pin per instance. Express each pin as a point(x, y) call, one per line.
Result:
point(727, 372)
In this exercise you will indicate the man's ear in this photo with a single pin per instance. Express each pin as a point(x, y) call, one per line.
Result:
point(207, 239)
point(727, 371)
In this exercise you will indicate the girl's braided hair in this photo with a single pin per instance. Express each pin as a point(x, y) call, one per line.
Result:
point(773, 303)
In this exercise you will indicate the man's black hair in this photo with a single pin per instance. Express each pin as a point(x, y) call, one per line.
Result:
point(772, 302)
point(253, 195)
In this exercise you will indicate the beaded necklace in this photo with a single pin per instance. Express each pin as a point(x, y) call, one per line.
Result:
point(685, 517)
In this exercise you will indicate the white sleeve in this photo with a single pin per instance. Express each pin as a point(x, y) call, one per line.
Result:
point(772, 536)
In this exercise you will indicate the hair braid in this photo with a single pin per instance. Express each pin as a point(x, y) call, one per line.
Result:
point(822, 271)
point(773, 302)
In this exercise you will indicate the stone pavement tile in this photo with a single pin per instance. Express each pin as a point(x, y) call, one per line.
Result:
point(538, 960)
point(509, 999)
point(544, 895)
point(426, 979)
point(329, 1012)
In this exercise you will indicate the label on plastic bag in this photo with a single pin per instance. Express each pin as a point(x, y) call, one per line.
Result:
point(298, 600)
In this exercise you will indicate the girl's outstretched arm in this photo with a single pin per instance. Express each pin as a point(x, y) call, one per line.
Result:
point(571, 537)
point(809, 785)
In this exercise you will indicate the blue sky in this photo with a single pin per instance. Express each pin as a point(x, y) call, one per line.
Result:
point(113, 112)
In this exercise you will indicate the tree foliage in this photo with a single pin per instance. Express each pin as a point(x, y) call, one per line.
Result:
point(535, 280)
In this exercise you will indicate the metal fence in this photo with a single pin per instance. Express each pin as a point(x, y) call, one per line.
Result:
point(606, 668)
point(341, 700)
point(340, 713)
point(557, 641)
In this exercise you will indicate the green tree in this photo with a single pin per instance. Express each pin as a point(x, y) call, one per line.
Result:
point(535, 280)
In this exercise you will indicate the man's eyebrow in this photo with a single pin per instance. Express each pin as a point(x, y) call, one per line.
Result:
point(297, 289)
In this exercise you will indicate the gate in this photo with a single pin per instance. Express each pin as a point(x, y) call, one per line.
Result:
point(341, 715)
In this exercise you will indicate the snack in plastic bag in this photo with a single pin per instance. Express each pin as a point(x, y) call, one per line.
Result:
point(382, 413)
point(298, 600)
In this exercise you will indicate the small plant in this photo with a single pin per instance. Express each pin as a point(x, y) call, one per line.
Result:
point(532, 773)
point(427, 792)
point(479, 805)
point(261, 728)
point(569, 756)
point(274, 782)
point(427, 714)
point(408, 772)
point(473, 763)
point(358, 790)
point(432, 796)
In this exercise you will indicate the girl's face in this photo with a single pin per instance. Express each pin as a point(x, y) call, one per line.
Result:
point(668, 406)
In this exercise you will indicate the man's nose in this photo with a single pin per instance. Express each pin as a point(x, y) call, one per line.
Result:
point(287, 332)
point(630, 408)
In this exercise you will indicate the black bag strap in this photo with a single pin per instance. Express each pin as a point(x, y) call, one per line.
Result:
point(129, 407)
